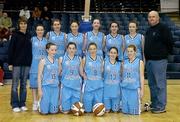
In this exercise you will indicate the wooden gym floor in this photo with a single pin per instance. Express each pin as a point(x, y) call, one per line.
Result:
point(172, 114)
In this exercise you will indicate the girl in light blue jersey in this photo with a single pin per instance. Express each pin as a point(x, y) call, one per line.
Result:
point(39, 51)
point(71, 82)
point(112, 70)
point(57, 37)
point(93, 80)
point(96, 37)
point(132, 85)
point(76, 37)
point(48, 82)
point(114, 40)
point(136, 39)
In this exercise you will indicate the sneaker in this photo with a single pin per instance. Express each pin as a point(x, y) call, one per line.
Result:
point(65, 112)
point(158, 111)
point(107, 111)
point(147, 107)
point(16, 109)
point(24, 108)
point(35, 107)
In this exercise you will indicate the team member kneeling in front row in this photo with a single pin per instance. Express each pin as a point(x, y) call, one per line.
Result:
point(71, 81)
point(93, 81)
point(112, 70)
point(48, 82)
point(132, 84)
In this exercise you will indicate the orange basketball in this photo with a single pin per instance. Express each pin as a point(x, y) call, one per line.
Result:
point(77, 109)
point(99, 109)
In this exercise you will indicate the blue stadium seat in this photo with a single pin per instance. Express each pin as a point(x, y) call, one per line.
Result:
point(140, 27)
point(173, 67)
point(142, 31)
point(176, 38)
point(123, 32)
point(177, 32)
point(176, 51)
point(171, 58)
point(144, 23)
point(177, 59)
point(177, 44)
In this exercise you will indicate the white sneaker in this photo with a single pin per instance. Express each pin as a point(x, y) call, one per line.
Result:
point(24, 108)
point(35, 107)
point(17, 109)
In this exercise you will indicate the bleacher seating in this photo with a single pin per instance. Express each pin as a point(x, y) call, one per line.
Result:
point(96, 5)
point(123, 19)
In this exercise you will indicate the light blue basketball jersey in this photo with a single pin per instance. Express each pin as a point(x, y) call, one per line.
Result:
point(71, 72)
point(50, 73)
point(98, 39)
point(38, 52)
point(111, 79)
point(59, 40)
point(93, 70)
point(114, 42)
point(137, 41)
point(131, 74)
point(78, 40)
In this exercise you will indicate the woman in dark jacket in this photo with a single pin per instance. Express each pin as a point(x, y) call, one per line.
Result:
point(19, 59)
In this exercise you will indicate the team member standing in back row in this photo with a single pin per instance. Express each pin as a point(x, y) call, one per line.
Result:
point(114, 40)
point(132, 85)
point(39, 51)
point(76, 37)
point(57, 37)
point(96, 37)
point(48, 82)
point(71, 82)
point(136, 39)
point(112, 91)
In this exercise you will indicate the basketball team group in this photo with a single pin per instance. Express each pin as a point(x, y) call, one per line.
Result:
point(90, 68)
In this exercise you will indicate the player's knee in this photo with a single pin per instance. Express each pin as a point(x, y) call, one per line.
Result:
point(65, 112)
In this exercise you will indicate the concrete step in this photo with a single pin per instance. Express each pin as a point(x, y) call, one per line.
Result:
point(176, 14)
point(175, 18)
